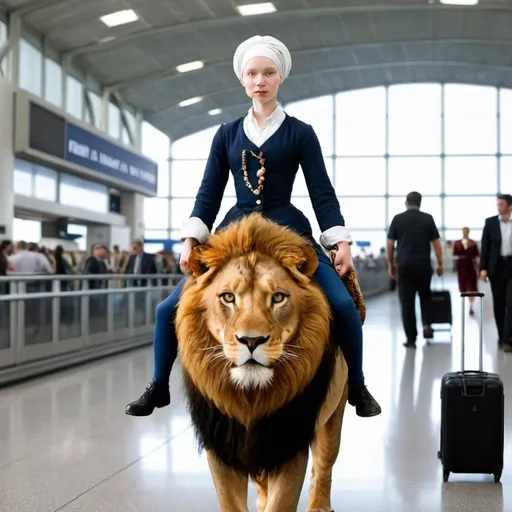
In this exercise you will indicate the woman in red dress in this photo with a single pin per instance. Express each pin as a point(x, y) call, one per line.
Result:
point(466, 252)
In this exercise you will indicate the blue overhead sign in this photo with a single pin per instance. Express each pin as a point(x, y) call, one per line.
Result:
point(93, 152)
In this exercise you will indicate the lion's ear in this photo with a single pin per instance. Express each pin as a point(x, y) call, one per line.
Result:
point(195, 261)
point(310, 262)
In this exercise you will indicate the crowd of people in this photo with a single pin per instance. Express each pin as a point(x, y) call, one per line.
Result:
point(23, 257)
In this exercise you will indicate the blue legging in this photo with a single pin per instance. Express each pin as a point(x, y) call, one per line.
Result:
point(346, 318)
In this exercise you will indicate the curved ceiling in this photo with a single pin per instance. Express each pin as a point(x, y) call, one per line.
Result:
point(336, 45)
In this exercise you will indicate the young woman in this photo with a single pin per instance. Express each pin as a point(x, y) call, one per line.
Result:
point(269, 144)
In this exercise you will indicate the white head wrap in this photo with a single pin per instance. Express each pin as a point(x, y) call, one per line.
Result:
point(263, 46)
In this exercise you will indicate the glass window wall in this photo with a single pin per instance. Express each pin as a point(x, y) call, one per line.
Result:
point(53, 82)
point(26, 229)
point(157, 211)
point(452, 143)
point(114, 121)
point(74, 191)
point(45, 183)
point(31, 65)
point(3, 39)
point(75, 97)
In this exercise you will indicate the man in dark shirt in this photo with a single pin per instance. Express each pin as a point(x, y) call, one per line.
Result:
point(414, 231)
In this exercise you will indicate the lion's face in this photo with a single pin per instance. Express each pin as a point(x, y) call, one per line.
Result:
point(252, 324)
point(253, 311)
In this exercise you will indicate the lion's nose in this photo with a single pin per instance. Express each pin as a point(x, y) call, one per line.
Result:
point(252, 342)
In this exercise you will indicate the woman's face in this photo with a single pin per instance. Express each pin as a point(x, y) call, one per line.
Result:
point(261, 79)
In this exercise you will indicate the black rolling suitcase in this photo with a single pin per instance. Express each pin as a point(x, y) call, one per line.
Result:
point(472, 416)
point(440, 306)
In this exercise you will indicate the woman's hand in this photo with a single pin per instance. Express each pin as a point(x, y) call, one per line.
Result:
point(343, 261)
point(188, 245)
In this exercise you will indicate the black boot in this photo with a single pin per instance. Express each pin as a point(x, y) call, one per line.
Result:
point(154, 396)
point(359, 396)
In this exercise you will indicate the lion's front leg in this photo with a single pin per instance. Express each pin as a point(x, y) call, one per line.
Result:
point(325, 449)
point(231, 486)
point(285, 487)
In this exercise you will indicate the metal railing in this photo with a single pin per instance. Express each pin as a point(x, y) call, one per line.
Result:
point(51, 322)
point(74, 318)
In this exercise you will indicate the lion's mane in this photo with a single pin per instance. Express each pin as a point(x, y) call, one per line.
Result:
point(256, 430)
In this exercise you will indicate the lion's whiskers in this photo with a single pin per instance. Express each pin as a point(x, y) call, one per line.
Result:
point(290, 355)
point(285, 359)
point(219, 357)
point(227, 365)
point(280, 361)
point(217, 347)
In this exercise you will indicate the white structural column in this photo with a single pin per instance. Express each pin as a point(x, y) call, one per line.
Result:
point(6, 160)
point(132, 208)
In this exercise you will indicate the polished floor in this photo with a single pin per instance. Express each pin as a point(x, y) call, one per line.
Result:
point(66, 444)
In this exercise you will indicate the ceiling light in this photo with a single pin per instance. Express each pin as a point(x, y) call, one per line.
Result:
point(253, 9)
point(459, 2)
point(191, 101)
point(119, 18)
point(215, 111)
point(190, 66)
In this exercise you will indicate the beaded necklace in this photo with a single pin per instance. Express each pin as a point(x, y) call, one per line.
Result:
point(260, 174)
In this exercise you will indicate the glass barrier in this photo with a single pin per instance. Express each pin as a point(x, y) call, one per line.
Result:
point(372, 275)
point(48, 317)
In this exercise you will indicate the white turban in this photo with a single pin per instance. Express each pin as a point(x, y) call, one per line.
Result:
point(263, 46)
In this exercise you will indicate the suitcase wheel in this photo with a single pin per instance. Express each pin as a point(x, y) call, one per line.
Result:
point(446, 475)
point(497, 476)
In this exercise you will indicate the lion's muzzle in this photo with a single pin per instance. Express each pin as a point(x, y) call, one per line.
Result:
point(250, 346)
point(252, 342)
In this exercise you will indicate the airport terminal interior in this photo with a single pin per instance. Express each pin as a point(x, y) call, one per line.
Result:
point(112, 111)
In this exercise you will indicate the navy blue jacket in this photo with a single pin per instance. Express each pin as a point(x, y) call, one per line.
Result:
point(294, 143)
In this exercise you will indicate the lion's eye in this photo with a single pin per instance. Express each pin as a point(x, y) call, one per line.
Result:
point(228, 297)
point(278, 297)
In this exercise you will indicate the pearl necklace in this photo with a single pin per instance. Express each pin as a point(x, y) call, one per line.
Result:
point(260, 174)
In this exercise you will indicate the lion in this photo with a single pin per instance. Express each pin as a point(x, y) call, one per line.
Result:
point(263, 378)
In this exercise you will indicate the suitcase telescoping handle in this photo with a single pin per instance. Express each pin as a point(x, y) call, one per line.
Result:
point(463, 341)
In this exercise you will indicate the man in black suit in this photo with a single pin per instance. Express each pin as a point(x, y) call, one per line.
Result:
point(140, 262)
point(496, 265)
point(415, 232)
point(97, 264)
